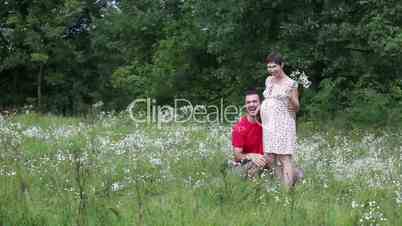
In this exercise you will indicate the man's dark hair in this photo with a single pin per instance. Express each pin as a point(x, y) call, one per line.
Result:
point(252, 92)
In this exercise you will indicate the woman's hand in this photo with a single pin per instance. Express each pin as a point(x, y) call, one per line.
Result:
point(257, 159)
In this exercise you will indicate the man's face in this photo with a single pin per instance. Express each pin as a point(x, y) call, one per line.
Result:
point(253, 104)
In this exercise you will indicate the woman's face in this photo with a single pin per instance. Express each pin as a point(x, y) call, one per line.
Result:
point(274, 69)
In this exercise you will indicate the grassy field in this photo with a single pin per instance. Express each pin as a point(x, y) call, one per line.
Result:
point(112, 171)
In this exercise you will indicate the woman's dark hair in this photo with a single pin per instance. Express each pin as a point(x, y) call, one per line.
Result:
point(275, 58)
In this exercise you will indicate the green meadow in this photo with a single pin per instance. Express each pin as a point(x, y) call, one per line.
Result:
point(110, 170)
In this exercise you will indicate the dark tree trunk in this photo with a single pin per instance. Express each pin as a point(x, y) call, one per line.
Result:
point(39, 87)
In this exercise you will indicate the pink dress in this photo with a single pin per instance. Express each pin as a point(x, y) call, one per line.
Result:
point(279, 125)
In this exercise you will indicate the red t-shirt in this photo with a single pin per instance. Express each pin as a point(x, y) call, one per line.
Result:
point(247, 135)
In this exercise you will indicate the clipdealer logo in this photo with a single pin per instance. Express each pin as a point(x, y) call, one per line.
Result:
point(146, 110)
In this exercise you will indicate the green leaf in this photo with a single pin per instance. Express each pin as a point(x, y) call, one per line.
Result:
point(39, 57)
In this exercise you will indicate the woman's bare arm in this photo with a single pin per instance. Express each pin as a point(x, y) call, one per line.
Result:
point(294, 104)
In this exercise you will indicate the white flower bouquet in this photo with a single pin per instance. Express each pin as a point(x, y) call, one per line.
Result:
point(301, 78)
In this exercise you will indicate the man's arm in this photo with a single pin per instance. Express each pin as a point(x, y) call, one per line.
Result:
point(238, 154)
point(256, 158)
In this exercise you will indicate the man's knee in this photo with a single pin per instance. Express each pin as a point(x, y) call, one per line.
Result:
point(270, 160)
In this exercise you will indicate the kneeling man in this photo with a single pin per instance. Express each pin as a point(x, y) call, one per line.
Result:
point(247, 138)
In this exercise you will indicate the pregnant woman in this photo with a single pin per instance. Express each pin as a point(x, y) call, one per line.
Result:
point(278, 115)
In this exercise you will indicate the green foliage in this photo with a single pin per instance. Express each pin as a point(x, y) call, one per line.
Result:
point(39, 57)
point(322, 103)
point(369, 107)
point(84, 52)
point(129, 82)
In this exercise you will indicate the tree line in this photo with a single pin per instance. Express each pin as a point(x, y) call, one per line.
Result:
point(62, 56)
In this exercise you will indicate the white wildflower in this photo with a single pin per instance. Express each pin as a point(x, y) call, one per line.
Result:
point(116, 186)
point(156, 162)
point(372, 214)
point(35, 132)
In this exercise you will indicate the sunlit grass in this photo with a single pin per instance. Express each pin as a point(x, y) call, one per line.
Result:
point(113, 171)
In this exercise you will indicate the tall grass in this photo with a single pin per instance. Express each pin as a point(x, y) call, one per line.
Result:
point(112, 171)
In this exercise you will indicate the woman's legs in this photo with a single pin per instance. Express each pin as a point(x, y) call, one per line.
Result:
point(287, 169)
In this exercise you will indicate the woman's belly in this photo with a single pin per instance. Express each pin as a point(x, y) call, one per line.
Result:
point(275, 109)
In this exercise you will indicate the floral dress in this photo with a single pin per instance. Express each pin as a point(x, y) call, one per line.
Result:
point(279, 124)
